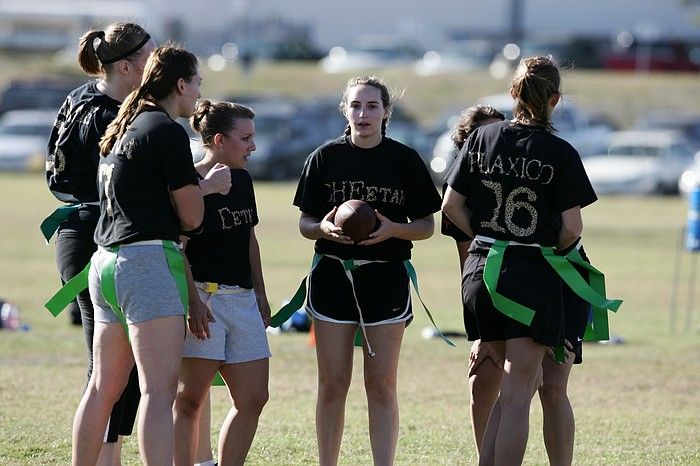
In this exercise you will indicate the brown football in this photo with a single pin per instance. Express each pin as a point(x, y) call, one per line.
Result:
point(356, 218)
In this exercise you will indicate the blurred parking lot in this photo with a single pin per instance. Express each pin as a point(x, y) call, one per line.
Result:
point(654, 151)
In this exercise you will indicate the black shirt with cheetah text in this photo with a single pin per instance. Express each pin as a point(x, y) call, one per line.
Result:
point(391, 177)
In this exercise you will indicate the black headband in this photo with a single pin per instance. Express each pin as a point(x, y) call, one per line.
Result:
point(126, 54)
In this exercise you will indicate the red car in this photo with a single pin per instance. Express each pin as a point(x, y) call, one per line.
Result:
point(654, 56)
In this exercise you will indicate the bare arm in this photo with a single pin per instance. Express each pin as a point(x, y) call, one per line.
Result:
point(199, 315)
point(258, 281)
point(455, 207)
point(416, 229)
point(313, 228)
point(189, 206)
point(463, 252)
point(571, 227)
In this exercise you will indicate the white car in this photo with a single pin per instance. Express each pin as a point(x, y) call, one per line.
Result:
point(570, 122)
point(456, 57)
point(369, 52)
point(24, 135)
point(641, 162)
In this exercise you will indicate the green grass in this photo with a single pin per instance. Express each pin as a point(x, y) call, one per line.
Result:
point(623, 96)
point(635, 403)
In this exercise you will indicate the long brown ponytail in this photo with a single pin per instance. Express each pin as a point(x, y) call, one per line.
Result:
point(99, 49)
point(534, 83)
point(165, 66)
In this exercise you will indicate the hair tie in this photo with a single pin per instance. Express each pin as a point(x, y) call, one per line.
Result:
point(135, 49)
point(99, 35)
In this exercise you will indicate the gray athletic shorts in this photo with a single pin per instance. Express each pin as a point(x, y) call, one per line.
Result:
point(238, 335)
point(145, 288)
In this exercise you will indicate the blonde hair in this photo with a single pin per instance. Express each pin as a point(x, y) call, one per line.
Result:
point(166, 65)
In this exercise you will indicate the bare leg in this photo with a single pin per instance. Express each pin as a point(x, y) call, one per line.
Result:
point(484, 381)
point(334, 351)
point(512, 411)
point(487, 450)
point(203, 452)
point(111, 453)
point(113, 361)
point(559, 424)
point(192, 394)
point(157, 346)
point(247, 384)
point(380, 385)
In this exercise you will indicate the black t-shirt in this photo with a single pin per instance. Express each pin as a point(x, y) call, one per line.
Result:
point(518, 180)
point(151, 159)
point(391, 177)
point(221, 253)
point(73, 151)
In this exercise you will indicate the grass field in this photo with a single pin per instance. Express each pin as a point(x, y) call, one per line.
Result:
point(622, 96)
point(636, 403)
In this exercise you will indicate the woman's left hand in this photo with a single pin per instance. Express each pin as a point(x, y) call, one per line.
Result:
point(386, 230)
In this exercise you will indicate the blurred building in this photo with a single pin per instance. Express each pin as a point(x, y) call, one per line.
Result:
point(49, 26)
point(35, 23)
point(429, 23)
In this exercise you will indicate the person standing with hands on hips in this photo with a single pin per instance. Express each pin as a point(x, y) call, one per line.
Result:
point(139, 282)
point(373, 292)
point(227, 270)
point(518, 190)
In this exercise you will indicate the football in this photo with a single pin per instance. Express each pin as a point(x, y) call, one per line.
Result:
point(356, 218)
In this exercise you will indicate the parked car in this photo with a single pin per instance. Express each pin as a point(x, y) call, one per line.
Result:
point(666, 55)
point(36, 93)
point(570, 121)
point(24, 135)
point(369, 53)
point(286, 132)
point(456, 57)
point(641, 162)
point(686, 123)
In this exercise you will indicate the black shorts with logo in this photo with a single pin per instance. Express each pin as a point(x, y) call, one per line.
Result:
point(526, 278)
point(382, 289)
point(576, 314)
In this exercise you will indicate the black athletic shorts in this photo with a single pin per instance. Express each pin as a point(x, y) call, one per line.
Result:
point(470, 325)
point(526, 278)
point(382, 289)
point(576, 314)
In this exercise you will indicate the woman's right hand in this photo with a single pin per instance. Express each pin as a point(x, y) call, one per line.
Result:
point(198, 319)
point(479, 353)
point(217, 180)
point(332, 232)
